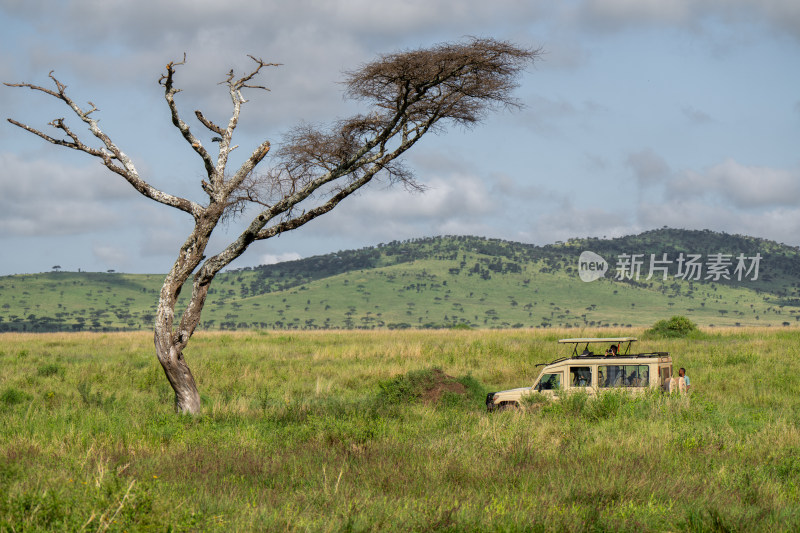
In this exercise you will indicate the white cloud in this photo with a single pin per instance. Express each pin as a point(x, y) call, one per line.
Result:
point(781, 224)
point(45, 198)
point(615, 15)
point(731, 197)
point(743, 186)
point(271, 259)
point(156, 22)
point(455, 196)
point(568, 221)
point(453, 203)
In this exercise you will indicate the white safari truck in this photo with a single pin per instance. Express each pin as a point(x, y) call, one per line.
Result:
point(595, 364)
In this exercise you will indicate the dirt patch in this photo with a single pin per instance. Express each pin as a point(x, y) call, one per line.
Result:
point(440, 384)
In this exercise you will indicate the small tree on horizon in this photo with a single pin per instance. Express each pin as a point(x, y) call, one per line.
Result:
point(409, 93)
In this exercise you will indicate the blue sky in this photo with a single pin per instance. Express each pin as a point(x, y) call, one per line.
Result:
point(641, 114)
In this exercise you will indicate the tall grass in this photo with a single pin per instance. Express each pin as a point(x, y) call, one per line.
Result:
point(321, 431)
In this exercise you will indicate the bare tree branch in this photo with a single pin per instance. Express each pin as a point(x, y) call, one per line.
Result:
point(235, 87)
point(207, 123)
point(112, 157)
point(167, 80)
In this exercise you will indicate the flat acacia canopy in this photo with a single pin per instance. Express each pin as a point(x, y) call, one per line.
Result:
point(597, 339)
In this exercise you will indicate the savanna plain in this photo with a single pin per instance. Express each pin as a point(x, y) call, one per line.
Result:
point(339, 431)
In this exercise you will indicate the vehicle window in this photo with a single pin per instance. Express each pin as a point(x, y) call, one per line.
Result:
point(638, 375)
point(550, 381)
point(623, 376)
point(580, 376)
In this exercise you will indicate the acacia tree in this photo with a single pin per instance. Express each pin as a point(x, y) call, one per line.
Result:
point(409, 94)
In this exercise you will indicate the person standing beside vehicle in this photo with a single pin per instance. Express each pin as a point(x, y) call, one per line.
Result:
point(684, 384)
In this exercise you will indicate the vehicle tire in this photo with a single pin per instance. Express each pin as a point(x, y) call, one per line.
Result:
point(508, 406)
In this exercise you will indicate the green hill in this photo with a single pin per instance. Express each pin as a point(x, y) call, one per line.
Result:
point(446, 282)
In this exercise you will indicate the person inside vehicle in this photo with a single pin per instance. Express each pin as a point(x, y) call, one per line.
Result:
point(612, 350)
point(579, 379)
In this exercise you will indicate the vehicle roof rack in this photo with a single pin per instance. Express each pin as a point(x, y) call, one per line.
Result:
point(597, 339)
point(627, 341)
point(553, 361)
point(605, 357)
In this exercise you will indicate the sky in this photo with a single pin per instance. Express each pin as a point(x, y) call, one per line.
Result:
point(639, 114)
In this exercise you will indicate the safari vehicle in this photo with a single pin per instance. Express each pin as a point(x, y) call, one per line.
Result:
point(592, 372)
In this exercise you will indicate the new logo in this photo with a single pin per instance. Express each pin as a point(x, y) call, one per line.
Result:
point(591, 266)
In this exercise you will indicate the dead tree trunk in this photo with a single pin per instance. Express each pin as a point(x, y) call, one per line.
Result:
point(169, 345)
point(187, 397)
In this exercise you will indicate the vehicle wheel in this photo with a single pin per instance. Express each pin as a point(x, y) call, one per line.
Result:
point(507, 406)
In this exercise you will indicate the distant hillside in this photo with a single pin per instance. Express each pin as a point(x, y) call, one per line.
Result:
point(446, 282)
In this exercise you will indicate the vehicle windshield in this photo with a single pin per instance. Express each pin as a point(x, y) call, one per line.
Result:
point(550, 381)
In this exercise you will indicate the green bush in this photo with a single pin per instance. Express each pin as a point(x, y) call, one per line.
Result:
point(12, 396)
point(474, 395)
point(406, 388)
point(50, 369)
point(537, 399)
point(416, 385)
point(675, 327)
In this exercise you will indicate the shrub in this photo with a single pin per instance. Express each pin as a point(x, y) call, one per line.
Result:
point(433, 387)
point(537, 399)
point(473, 395)
point(675, 327)
point(12, 396)
point(407, 388)
point(50, 370)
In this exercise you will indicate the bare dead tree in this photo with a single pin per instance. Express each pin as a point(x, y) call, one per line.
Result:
point(409, 93)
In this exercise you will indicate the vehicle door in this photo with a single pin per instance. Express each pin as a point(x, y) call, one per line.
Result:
point(664, 376)
point(550, 384)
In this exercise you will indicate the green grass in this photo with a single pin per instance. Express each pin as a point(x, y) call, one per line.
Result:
point(323, 431)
